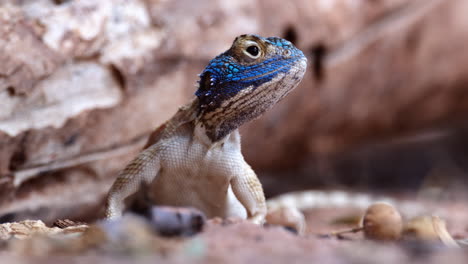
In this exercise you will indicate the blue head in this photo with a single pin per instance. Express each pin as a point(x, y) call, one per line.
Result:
point(246, 80)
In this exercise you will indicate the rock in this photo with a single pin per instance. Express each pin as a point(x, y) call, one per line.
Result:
point(383, 71)
point(173, 221)
point(378, 69)
point(29, 228)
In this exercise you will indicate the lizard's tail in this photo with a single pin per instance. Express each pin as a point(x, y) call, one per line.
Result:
point(307, 200)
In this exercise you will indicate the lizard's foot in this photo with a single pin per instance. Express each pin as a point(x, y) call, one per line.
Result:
point(258, 217)
point(289, 217)
point(257, 220)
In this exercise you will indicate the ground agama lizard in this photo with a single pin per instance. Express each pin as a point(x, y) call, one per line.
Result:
point(195, 159)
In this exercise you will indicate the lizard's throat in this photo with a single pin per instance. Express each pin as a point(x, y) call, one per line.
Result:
point(231, 114)
point(215, 129)
point(221, 118)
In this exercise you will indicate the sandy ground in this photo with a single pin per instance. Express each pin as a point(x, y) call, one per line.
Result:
point(237, 241)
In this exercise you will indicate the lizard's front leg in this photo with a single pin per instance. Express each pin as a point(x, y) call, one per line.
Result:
point(142, 170)
point(249, 192)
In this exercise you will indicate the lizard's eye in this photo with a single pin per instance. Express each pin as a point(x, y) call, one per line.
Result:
point(253, 51)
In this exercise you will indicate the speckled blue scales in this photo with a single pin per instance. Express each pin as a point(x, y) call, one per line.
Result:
point(226, 75)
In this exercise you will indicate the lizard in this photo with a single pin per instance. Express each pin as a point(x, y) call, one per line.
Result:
point(194, 159)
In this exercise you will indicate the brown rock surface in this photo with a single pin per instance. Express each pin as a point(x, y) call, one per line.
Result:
point(83, 82)
point(391, 72)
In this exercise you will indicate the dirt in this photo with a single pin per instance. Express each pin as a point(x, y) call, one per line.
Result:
point(238, 241)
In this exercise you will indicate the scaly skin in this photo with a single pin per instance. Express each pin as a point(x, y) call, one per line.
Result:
point(195, 159)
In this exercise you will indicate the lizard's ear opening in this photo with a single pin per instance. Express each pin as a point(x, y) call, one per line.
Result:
point(204, 91)
point(205, 84)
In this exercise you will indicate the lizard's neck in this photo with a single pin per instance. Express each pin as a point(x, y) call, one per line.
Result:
point(205, 136)
point(218, 124)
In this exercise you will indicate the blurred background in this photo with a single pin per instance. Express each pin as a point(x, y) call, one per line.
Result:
point(82, 84)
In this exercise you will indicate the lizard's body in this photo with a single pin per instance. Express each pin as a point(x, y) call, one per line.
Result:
point(195, 159)
point(188, 153)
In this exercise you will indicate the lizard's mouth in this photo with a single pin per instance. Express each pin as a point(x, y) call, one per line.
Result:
point(270, 74)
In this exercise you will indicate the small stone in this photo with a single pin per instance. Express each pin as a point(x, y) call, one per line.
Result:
point(289, 217)
point(176, 221)
point(382, 222)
